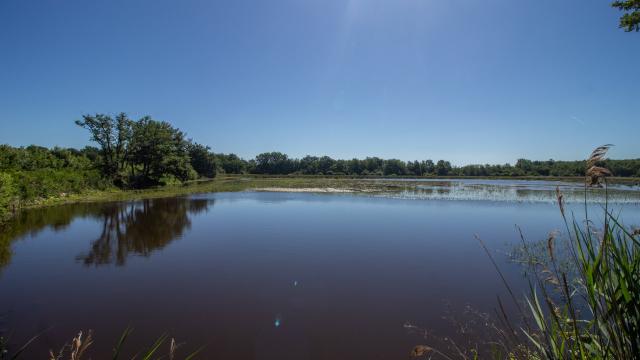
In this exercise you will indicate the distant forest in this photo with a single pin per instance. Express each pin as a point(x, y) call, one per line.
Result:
point(192, 161)
point(146, 152)
point(149, 152)
point(142, 153)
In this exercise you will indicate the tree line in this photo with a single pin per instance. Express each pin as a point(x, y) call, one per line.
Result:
point(141, 153)
point(277, 163)
point(155, 161)
point(146, 152)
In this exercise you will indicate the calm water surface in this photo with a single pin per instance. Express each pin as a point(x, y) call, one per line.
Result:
point(260, 275)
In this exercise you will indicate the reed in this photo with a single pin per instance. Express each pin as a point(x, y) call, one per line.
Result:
point(594, 312)
point(79, 347)
point(582, 303)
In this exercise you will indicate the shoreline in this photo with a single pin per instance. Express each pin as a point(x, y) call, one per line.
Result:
point(305, 190)
point(261, 183)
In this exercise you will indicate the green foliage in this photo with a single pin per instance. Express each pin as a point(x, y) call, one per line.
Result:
point(113, 137)
point(274, 163)
point(156, 150)
point(394, 167)
point(443, 168)
point(203, 161)
point(153, 150)
point(36, 157)
point(45, 183)
point(145, 152)
point(34, 173)
point(607, 284)
point(589, 309)
point(630, 20)
point(8, 193)
point(232, 164)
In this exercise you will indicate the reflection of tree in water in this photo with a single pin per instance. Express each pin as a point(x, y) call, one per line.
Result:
point(136, 227)
point(31, 222)
point(140, 228)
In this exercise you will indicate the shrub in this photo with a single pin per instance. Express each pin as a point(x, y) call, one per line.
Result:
point(8, 193)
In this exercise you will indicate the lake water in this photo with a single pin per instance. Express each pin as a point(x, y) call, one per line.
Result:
point(258, 275)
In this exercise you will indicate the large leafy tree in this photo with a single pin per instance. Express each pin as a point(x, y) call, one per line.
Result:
point(394, 167)
point(630, 20)
point(274, 163)
point(443, 168)
point(373, 165)
point(309, 164)
point(157, 149)
point(325, 164)
point(231, 163)
point(112, 136)
point(203, 160)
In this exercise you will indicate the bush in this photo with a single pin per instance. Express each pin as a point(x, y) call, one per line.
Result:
point(46, 183)
point(8, 194)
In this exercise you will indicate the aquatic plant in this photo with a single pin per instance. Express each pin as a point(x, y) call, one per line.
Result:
point(78, 348)
point(595, 314)
point(586, 308)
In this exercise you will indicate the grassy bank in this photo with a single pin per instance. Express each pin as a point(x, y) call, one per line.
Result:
point(62, 192)
point(219, 184)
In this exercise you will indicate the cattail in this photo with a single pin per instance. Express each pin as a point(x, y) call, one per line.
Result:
point(595, 173)
point(552, 236)
point(560, 198)
point(598, 155)
point(172, 349)
point(598, 171)
point(421, 350)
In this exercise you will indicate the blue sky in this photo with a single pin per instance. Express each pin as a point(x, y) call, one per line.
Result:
point(470, 81)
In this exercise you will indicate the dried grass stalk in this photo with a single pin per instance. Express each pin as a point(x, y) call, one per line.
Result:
point(560, 198)
point(598, 155)
point(421, 350)
point(595, 174)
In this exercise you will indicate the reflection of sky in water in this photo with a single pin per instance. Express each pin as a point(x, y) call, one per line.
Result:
point(511, 190)
point(262, 273)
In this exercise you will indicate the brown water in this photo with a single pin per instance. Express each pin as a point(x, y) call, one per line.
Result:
point(259, 275)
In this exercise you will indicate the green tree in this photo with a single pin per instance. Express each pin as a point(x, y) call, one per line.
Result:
point(630, 20)
point(340, 167)
point(394, 167)
point(232, 163)
point(325, 164)
point(274, 163)
point(414, 168)
point(373, 165)
point(443, 168)
point(429, 168)
point(355, 167)
point(157, 150)
point(92, 153)
point(309, 165)
point(203, 161)
point(112, 136)
point(8, 193)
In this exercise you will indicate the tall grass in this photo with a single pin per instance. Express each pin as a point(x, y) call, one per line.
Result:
point(592, 312)
point(79, 347)
point(582, 303)
point(595, 315)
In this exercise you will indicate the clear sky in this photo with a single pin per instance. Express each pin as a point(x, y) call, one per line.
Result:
point(475, 81)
